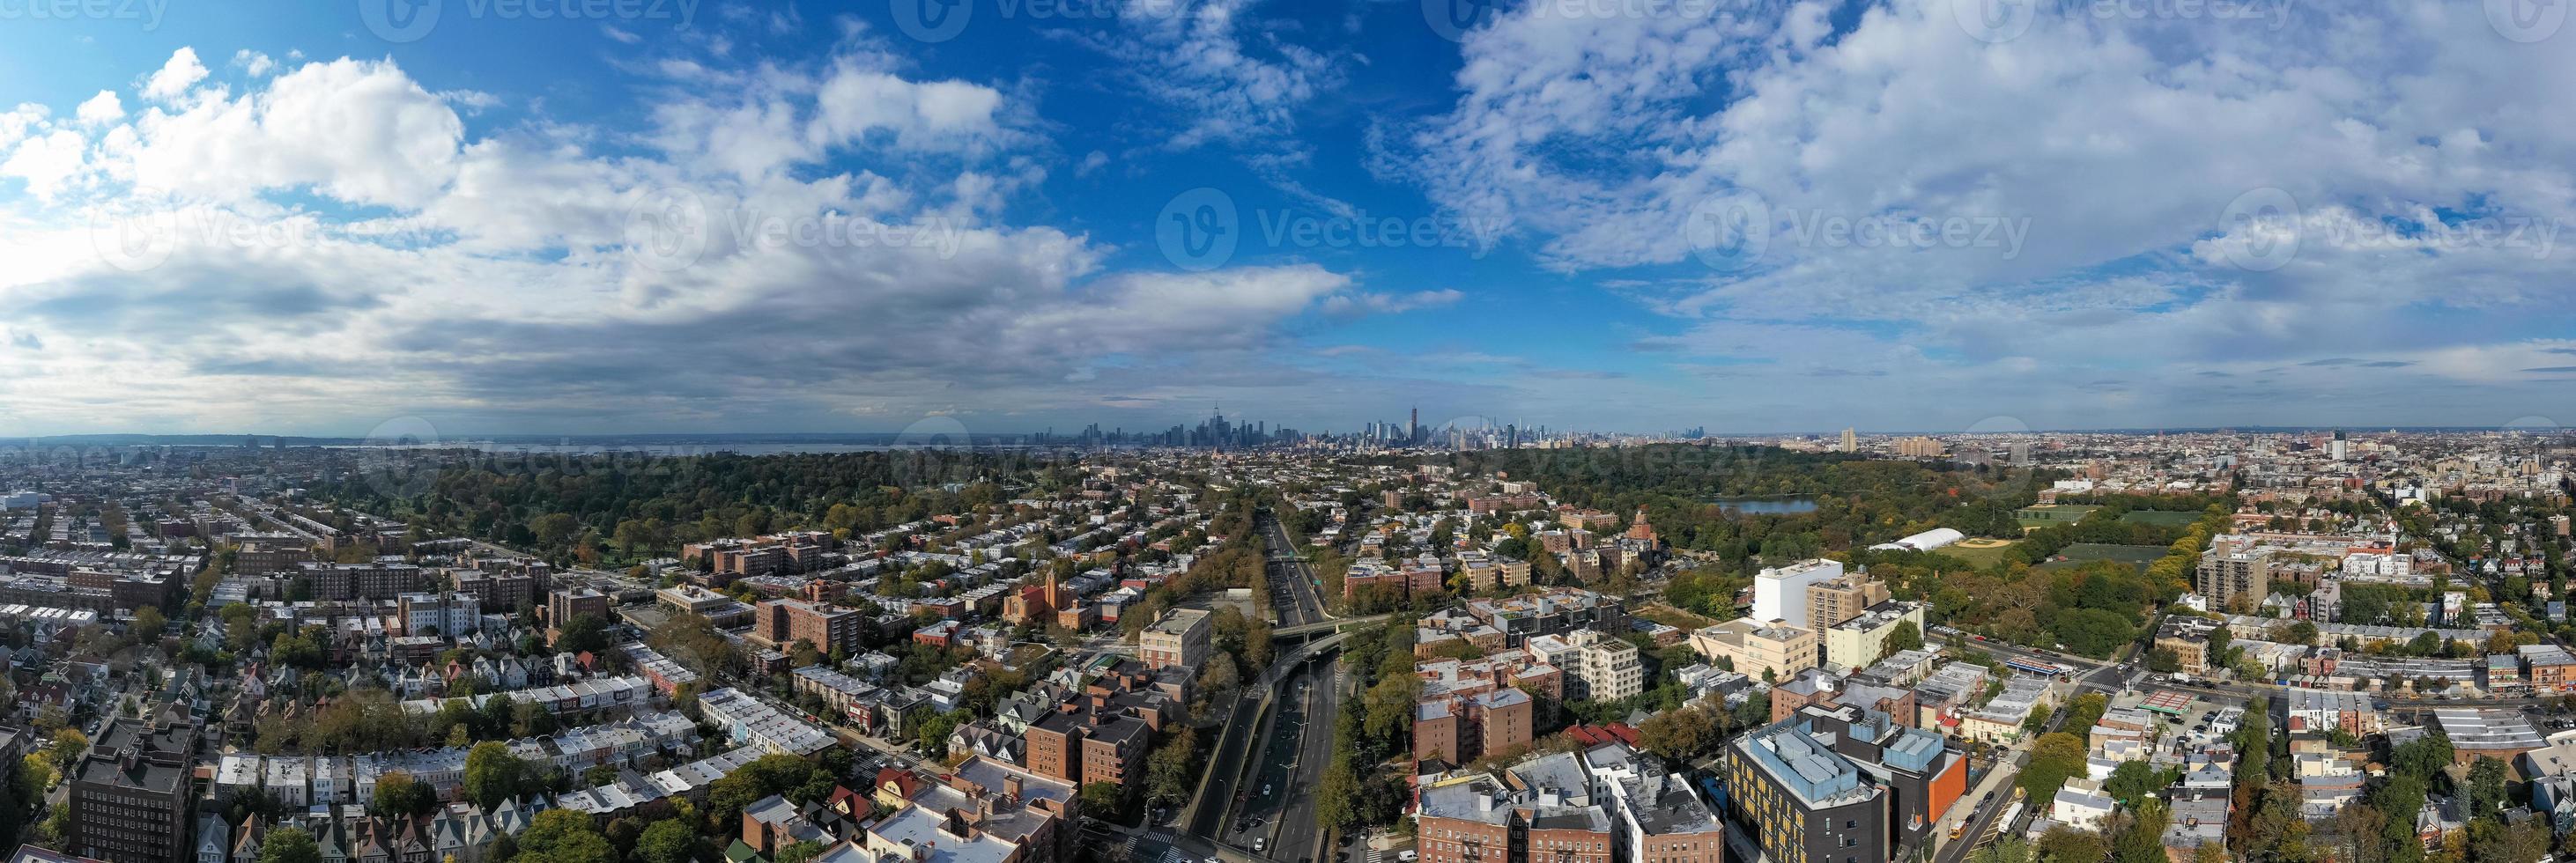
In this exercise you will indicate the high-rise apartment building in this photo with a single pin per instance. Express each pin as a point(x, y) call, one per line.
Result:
point(1842, 598)
point(131, 793)
point(2232, 568)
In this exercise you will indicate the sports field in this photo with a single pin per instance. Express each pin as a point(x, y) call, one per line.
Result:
point(2159, 517)
point(2047, 514)
point(1978, 552)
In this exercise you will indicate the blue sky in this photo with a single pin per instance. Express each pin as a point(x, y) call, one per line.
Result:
point(479, 216)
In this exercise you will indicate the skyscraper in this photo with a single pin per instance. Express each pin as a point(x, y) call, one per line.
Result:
point(1851, 442)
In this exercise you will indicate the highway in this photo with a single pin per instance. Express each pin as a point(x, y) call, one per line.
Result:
point(1292, 581)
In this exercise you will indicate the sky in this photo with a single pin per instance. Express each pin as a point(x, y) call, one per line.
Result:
point(473, 217)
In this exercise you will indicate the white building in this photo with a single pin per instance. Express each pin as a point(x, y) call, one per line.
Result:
point(2080, 804)
point(1780, 593)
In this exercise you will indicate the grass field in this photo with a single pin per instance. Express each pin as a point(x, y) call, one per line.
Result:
point(2134, 555)
point(2046, 514)
point(2159, 517)
point(1979, 553)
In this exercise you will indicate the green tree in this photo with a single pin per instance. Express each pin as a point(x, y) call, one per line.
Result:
point(2133, 781)
point(583, 633)
point(398, 795)
point(36, 775)
point(289, 845)
point(148, 621)
point(563, 836)
point(800, 852)
point(2067, 845)
point(67, 747)
point(2486, 786)
point(2054, 758)
point(667, 841)
point(1174, 767)
point(1906, 636)
point(492, 774)
point(1101, 799)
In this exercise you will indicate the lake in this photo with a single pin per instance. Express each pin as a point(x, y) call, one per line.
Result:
point(1766, 505)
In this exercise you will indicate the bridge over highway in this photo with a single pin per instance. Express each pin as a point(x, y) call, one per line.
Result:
point(1305, 629)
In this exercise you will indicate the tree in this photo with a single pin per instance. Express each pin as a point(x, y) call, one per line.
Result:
point(2421, 757)
point(398, 795)
point(2054, 758)
point(492, 774)
point(2142, 839)
point(67, 747)
point(1677, 735)
point(1220, 677)
point(554, 529)
point(1173, 767)
point(2068, 845)
point(667, 841)
point(289, 845)
point(1906, 636)
point(36, 775)
point(586, 633)
point(2486, 786)
point(496, 715)
point(148, 622)
point(800, 852)
point(1101, 799)
point(2133, 781)
point(1333, 795)
point(563, 836)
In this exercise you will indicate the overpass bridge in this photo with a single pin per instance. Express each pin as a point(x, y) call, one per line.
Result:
point(1305, 629)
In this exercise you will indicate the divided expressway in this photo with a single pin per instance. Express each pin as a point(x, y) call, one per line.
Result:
point(1272, 754)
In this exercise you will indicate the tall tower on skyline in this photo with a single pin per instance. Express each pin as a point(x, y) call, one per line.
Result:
point(1851, 442)
point(1413, 426)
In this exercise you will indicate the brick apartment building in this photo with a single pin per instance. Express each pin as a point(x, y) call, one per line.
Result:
point(130, 795)
point(1101, 733)
point(564, 605)
point(781, 623)
point(385, 578)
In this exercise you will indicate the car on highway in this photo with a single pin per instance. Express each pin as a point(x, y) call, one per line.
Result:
point(1257, 843)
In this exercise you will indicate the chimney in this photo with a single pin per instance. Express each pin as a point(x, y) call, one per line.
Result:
point(1011, 789)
